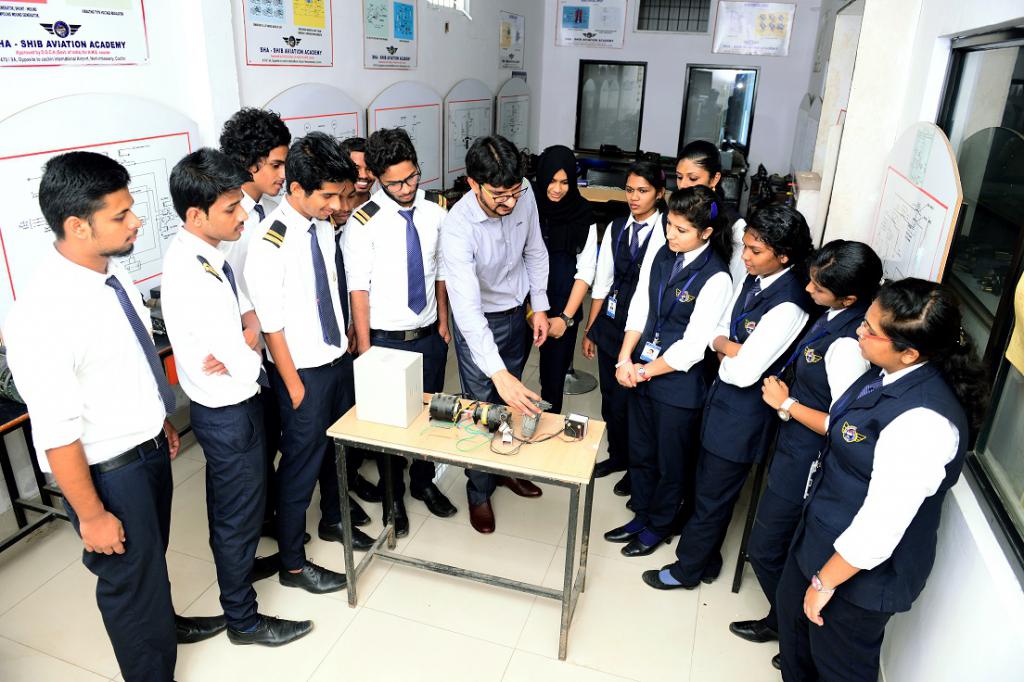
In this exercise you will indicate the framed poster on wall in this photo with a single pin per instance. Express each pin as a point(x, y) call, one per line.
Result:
point(511, 40)
point(390, 34)
point(757, 28)
point(590, 23)
point(288, 32)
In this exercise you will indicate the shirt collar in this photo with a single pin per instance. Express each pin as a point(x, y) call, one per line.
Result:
point(895, 376)
point(772, 279)
point(649, 222)
point(213, 254)
point(690, 256)
point(78, 272)
point(248, 202)
point(294, 219)
point(476, 211)
point(834, 312)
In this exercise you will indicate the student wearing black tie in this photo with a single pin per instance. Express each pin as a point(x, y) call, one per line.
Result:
point(896, 444)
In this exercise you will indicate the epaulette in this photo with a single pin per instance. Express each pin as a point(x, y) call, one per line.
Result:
point(209, 268)
point(275, 235)
point(365, 212)
point(435, 196)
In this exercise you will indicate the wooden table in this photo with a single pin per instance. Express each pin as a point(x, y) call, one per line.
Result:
point(603, 195)
point(554, 462)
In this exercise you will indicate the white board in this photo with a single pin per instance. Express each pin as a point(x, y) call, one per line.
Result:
point(920, 199)
point(417, 109)
point(469, 114)
point(145, 137)
point(514, 112)
point(313, 106)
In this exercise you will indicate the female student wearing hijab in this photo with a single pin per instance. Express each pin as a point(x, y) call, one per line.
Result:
point(767, 314)
point(679, 301)
point(700, 163)
point(896, 444)
point(628, 243)
point(567, 225)
point(845, 277)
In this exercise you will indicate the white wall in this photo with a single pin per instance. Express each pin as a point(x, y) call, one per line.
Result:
point(783, 82)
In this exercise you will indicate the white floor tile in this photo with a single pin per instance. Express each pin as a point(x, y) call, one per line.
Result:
point(541, 519)
point(183, 468)
point(19, 662)
point(527, 667)
point(34, 560)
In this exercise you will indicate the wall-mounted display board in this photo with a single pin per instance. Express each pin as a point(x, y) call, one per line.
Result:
point(514, 112)
point(314, 106)
point(145, 137)
point(288, 32)
point(921, 197)
point(590, 23)
point(390, 34)
point(511, 40)
point(416, 108)
point(758, 28)
point(469, 114)
point(72, 32)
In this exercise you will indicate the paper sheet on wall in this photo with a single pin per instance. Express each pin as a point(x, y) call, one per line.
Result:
point(755, 28)
point(423, 123)
point(288, 32)
point(389, 34)
point(511, 40)
point(591, 23)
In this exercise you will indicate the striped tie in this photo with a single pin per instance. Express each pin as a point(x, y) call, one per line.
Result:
point(324, 304)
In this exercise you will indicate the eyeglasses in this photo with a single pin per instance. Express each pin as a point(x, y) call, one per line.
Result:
point(395, 185)
point(868, 333)
point(505, 198)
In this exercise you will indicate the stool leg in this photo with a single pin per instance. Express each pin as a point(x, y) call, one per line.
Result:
point(755, 496)
point(12, 484)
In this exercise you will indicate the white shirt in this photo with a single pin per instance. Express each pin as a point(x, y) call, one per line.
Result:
point(736, 267)
point(79, 365)
point(775, 332)
point(844, 363)
point(910, 464)
point(708, 309)
point(586, 260)
point(375, 261)
point(282, 286)
point(604, 278)
point(203, 318)
point(236, 252)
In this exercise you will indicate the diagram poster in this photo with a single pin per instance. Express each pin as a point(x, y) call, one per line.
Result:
point(389, 34)
point(757, 28)
point(511, 40)
point(288, 33)
point(591, 23)
point(72, 32)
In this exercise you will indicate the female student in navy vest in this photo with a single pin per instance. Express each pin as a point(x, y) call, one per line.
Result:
point(567, 225)
point(628, 243)
point(679, 301)
point(896, 442)
point(768, 312)
point(845, 277)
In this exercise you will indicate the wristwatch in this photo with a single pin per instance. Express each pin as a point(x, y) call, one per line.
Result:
point(569, 322)
point(820, 586)
point(641, 371)
point(784, 408)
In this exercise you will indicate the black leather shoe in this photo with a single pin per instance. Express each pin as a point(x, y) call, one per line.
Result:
point(359, 515)
point(264, 567)
point(620, 534)
point(603, 468)
point(651, 578)
point(192, 629)
point(313, 578)
point(436, 502)
point(332, 533)
point(272, 632)
point(777, 661)
point(366, 491)
point(636, 548)
point(623, 488)
point(269, 530)
point(401, 520)
point(753, 631)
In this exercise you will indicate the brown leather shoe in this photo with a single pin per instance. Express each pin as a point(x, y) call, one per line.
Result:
point(481, 516)
point(520, 487)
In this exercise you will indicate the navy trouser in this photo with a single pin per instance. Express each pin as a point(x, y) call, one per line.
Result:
point(232, 442)
point(845, 649)
point(435, 357)
point(555, 359)
point(509, 330)
point(768, 546)
point(719, 482)
point(307, 453)
point(132, 590)
point(663, 460)
point(614, 408)
point(271, 441)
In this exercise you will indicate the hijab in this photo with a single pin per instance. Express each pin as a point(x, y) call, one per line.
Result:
point(566, 223)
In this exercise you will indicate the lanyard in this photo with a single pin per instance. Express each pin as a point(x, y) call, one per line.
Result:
point(675, 299)
point(803, 345)
point(632, 260)
point(739, 317)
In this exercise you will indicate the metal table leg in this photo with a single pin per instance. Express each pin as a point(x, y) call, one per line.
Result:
point(340, 463)
point(12, 484)
point(389, 501)
point(748, 525)
point(588, 507)
point(570, 564)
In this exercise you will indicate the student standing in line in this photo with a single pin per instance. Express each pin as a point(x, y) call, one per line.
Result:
point(399, 298)
point(570, 235)
point(896, 444)
point(844, 278)
point(215, 335)
point(679, 300)
point(768, 313)
point(80, 346)
point(628, 244)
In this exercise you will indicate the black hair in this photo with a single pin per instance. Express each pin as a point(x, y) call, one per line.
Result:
point(926, 316)
point(353, 144)
point(847, 268)
point(704, 154)
point(652, 173)
point(249, 136)
point(388, 147)
point(783, 230)
point(201, 177)
point(702, 208)
point(316, 159)
point(75, 183)
point(494, 161)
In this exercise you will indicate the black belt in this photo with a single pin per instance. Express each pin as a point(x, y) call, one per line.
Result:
point(135, 454)
point(504, 313)
point(408, 335)
point(333, 363)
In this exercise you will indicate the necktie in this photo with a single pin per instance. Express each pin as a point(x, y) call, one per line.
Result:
point(870, 388)
point(230, 274)
point(339, 265)
point(324, 306)
point(754, 291)
point(414, 264)
point(634, 239)
point(677, 267)
point(260, 212)
point(148, 349)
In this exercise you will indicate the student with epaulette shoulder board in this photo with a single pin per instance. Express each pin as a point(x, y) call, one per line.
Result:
point(675, 312)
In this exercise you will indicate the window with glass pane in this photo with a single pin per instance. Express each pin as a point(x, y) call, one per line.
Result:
point(719, 106)
point(610, 104)
point(677, 16)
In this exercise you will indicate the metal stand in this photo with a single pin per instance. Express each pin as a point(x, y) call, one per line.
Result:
point(755, 496)
point(578, 382)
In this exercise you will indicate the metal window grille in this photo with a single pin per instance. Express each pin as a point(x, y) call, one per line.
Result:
point(684, 16)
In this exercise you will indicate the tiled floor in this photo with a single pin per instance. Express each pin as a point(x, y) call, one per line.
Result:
point(410, 625)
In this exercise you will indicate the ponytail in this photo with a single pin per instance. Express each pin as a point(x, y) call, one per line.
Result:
point(702, 208)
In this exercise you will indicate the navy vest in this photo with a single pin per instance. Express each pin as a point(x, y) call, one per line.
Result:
point(561, 277)
point(606, 332)
point(798, 446)
point(841, 486)
point(680, 389)
point(738, 425)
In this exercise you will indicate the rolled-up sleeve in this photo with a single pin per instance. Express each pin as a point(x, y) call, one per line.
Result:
point(535, 254)
point(264, 275)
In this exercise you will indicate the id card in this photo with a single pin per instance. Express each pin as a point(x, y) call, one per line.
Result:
point(651, 352)
point(611, 306)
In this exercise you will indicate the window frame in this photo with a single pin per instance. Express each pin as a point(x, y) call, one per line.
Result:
point(579, 103)
point(753, 105)
point(712, 9)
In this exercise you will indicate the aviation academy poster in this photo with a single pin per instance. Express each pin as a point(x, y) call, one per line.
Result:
point(288, 33)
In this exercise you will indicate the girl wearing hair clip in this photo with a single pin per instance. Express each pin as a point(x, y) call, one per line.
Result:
point(895, 445)
point(678, 303)
point(844, 278)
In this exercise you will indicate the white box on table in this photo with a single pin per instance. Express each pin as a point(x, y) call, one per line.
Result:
point(389, 386)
